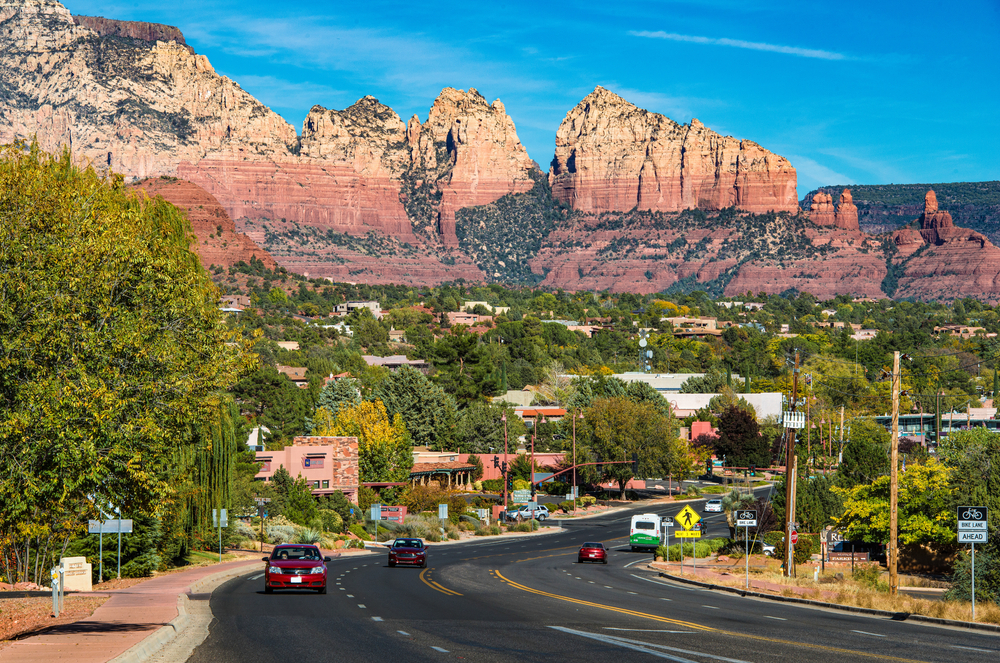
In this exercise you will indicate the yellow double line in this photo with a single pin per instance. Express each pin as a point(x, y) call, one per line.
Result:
point(624, 611)
point(433, 585)
point(699, 627)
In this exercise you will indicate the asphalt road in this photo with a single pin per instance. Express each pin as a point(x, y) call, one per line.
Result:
point(526, 599)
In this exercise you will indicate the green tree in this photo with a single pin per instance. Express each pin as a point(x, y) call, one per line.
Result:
point(112, 347)
point(384, 451)
point(740, 440)
point(620, 428)
point(275, 402)
point(345, 392)
point(427, 411)
point(866, 454)
point(293, 498)
point(480, 430)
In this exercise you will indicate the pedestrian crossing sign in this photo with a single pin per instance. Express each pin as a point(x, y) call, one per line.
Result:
point(688, 517)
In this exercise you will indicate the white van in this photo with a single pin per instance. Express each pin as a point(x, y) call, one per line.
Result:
point(646, 531)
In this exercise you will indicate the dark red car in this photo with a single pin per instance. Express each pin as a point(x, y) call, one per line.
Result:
point(408, 551)
point(593, 552)
point(295, 566)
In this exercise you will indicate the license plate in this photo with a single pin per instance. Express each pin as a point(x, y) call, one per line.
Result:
point(296, 579)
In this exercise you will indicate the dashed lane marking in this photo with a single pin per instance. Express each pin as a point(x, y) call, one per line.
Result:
point(403, 633)
point(425, 578)
point(256, 577)
point(988, 651)
point(376, 619)
point(362, 606)
point(781, 619)
point(443, 651)
point(711, 606)
point(877, 635)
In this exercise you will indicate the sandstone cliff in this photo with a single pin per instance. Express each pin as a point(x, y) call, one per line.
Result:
point(845, 216)
point(151, 32)
point(611, 155)
point(138, 108)
point(216, 240)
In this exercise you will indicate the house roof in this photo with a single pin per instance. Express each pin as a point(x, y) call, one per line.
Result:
point(420, 469)
point(294, 373)
point(543, 411)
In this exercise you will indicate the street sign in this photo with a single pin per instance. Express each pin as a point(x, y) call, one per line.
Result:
point(667, 522)
point(746, 518)
point(794, 419)
point(262, 500)
point(215, 518)
point(376, 513)
point(443, 511)
point(520, 496)
point(687, 534)
point(688, 517)
point(972, 518)
point(972, 537)
point(795, 537)
point(109, 526)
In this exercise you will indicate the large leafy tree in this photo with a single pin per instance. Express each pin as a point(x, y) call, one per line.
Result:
point(275, 402)
point(866, 454)
point(740, 440)
point(480, 429)
point(925, 507)
point(619, 428)
point(427, 411)
point(112, 347)
point(384, 451)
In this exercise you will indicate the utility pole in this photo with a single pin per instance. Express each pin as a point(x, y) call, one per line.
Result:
point(840, 454)
point(894, 479)
point(790, 475)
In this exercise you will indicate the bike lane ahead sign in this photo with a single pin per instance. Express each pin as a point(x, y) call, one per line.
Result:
point(972, 524)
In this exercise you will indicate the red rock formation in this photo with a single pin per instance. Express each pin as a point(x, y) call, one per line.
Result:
point(151, 32)
point(821, 211)
point(611, 155)
point(847, 212)
point(937, 227)
point(216, 239)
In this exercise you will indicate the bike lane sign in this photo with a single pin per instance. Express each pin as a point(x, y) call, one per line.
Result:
point(972, 527)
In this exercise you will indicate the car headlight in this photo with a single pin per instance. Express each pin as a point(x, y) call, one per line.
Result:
point(274, 569)
point(317, 569)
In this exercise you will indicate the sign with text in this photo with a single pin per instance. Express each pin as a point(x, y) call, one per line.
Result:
point(109, 526)
point(688, 534)
point(746, 518)
point(520, 496)
point(972, 518)
point(396, 514)
point(972, 537)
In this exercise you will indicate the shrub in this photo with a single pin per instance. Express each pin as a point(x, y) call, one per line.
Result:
point(566, 506)
point(331, 520)
point(245, 531)
point(453, 534)
point(309, 536)
point(433, 536)
point(869, 575)
point(803, 549)
point(493, 486)
point(522, 484)
point(588, 500)
point(693, 491)
point(282, 533)
point(478, 485)
point(142, 566)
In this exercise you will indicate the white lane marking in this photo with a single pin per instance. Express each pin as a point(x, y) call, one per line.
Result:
point(403, 633)
point(877, 635)
point(636, 593)
point(988, 651)
point(350, 596)
point(257, 577)
point(361, 605)
point(666, 599)
point(645, 647)
point(636, 562)
point(666, 584)
point(443, 651)
point(591, 582)
point(778, 618)
point(376, 619)
point(343, 589)
point(643, 630)
point(579, 578)
point(608, 587)
point(709, 606)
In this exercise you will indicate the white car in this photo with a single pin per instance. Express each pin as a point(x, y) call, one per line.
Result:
point(713, 506)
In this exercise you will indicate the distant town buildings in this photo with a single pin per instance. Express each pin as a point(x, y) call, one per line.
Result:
point(348, 307)
point(395, 362)
point(328, 464)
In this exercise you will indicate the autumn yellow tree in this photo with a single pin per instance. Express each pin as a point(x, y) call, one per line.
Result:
point(384, 449)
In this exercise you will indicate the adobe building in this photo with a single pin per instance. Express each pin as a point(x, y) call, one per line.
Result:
point(328, 464)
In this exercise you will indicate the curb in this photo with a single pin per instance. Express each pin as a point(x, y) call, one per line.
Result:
point(149, 646)
point(895, 616)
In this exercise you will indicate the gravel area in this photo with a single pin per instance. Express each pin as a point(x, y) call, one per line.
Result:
point(21, 616)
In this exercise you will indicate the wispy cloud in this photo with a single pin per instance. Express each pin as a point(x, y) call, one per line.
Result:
point(739, 43)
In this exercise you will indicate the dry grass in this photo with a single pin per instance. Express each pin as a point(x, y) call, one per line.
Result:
point(849, 592)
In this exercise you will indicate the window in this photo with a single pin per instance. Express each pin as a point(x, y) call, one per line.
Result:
point(326, 483)
point(312, 462)
point(316, 484)
point(645, 525)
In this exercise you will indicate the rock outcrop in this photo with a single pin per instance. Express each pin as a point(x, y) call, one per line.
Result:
point(611, 155)
point(845, 216)
point(138, 108)
point(151, 32)
point(216, 240)
point(847, 212)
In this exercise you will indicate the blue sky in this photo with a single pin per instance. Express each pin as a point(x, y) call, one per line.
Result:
point(851, 92)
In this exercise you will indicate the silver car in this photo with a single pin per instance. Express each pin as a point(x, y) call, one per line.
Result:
point(713, 506)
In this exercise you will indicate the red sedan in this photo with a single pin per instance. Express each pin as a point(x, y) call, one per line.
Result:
point(295, 566)
point(408, 551)
point(593, 552)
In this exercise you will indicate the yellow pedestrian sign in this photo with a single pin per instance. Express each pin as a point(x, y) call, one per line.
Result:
point(688, 517)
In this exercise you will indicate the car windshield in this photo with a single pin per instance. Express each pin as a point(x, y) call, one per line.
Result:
point(408, 543)
point(311, 554)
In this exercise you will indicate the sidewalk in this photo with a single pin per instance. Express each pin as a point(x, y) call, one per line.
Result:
point(127, 618)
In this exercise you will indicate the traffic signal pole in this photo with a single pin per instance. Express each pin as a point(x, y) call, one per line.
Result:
point(894, 479)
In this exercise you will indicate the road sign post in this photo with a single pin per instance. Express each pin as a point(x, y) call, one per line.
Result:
point(220, 519)
point(688, 518)
point(973, 528)
point(747, 518)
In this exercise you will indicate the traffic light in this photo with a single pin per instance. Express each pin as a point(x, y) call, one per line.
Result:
point(635, 464)
point(753, 470)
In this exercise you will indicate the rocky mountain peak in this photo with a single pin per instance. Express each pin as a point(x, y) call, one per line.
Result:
point(612, 155)
point(148, 32)
point(930, 202)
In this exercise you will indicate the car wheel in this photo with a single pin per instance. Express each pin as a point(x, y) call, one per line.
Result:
point(579, 560)
point(268, 590)
point(322, 590)
point(605, 561)
point(423, 564)
point(633, 548)
point(392, 564)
